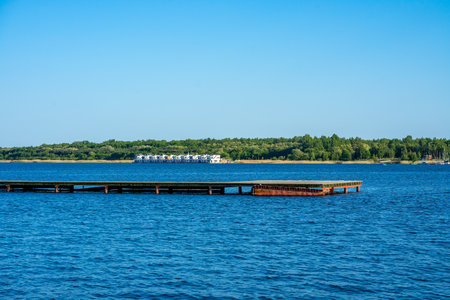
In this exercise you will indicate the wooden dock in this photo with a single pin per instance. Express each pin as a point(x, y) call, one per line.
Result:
point(257, 188)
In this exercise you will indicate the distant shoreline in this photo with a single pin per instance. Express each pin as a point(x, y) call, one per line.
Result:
point(65, 161)
point(320, 162)
point(242, 161)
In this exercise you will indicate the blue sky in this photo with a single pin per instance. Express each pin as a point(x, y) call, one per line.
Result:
point(127, 70)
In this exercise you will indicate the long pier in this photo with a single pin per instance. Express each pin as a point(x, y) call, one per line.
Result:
point(257, 187)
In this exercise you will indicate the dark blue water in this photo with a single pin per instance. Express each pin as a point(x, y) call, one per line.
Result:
point(391, 240)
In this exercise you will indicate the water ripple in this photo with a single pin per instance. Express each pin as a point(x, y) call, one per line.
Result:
point(389, 241)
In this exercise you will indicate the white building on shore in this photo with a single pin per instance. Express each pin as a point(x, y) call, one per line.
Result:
point(163, 158)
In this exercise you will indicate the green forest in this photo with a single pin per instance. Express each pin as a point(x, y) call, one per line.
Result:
point(295, 148)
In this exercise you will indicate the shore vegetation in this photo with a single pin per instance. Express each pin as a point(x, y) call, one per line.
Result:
point(299, 148)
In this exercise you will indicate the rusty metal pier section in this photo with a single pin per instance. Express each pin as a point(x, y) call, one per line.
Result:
point(257, 188)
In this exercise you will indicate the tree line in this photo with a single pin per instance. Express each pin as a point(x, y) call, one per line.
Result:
point(296, 148)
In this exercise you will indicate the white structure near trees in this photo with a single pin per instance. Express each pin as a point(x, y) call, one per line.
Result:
point(163, 158)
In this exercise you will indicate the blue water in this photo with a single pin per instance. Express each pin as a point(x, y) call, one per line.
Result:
point(391, 240)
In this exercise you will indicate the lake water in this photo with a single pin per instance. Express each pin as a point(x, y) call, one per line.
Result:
point(391, 240)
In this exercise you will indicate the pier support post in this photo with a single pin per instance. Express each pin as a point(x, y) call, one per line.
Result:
point(240, 190)
point(332, 191)
point(71, 189)
point(157, 190)
point(358, 188)
point(106, 189)
point(210, 190)
point(120, 190)
point(170, 190)
point(345, 190)
point(56, 188)
point(222, 191)
point(8, 188)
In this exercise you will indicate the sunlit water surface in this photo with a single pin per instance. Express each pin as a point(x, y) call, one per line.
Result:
point(390, 240)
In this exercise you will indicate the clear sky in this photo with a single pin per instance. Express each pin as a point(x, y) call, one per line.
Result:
point(127, 70)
